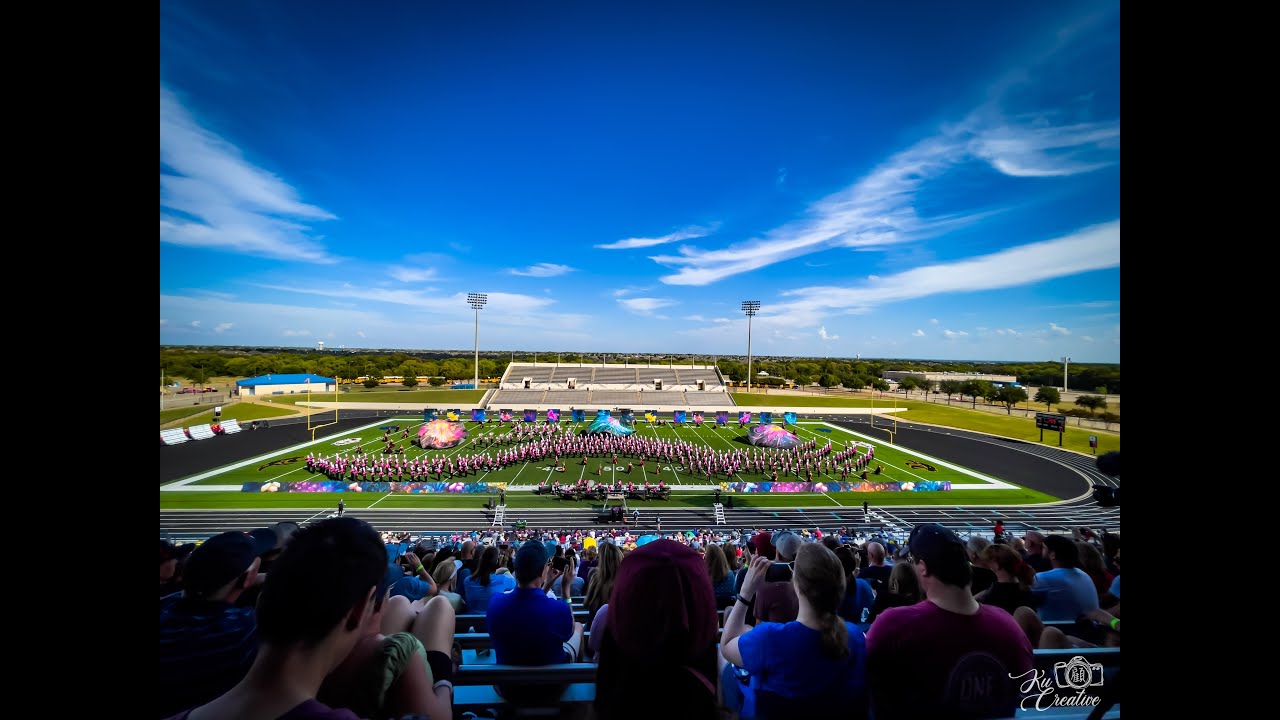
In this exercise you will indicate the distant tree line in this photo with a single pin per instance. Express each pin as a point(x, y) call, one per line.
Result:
point(200, 363)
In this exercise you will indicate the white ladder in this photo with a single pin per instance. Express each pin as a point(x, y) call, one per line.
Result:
point(499, 516)
point(719, 513)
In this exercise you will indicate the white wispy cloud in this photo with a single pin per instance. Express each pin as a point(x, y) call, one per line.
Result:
point(212, 197)
point(933, 321)
point(223, 327)
point(408, 274)
point(687, 233)
point(1058, 329)
point(880, 210)
point(542, 270)
point(918, 333)
point(953, 334)
point(822, 333)
point(295, 333)
point(195, 323)
point(645, 305)
point(1087, 338)
point(1021, 151)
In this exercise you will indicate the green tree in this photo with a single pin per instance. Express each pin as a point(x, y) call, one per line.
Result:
point(977, 389)
point(951, 387)
point(1010, 396)
point(828, 380)
point(880, 384)
point(371, 382)
point(410, 381)
point(437, 381)
point(908, 383)
point(1049, 396)
point(854, 382)
point(1092, 402)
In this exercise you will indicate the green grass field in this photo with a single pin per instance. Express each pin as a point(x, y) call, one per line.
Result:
point(237, 411)
point(959, 416)
point(899, 465)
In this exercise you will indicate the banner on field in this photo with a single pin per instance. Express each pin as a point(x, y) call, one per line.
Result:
point(678, 417)
point(478, 415)
point(722, 417)
point(553, 415)
point(453, 415)
point(531, 416)
point(428, 414)
point(766, 418)
point(651, 416)
point(628, 418)
point(579, 415)
point(789, 418)
point(744, 418)
point(505, 415)
point(697, 417)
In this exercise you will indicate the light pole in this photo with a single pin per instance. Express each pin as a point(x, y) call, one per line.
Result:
point(750, 307)
point(1066, 362)
point(477, 301)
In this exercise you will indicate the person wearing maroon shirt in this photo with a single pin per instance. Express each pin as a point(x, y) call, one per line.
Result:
point(947, 656)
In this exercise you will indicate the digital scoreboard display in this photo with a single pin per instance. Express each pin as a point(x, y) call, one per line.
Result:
point(1049, 421)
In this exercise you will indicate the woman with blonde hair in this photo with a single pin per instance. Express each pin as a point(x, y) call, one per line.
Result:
point(805, 667)
point(903, 589)
point(600, 583)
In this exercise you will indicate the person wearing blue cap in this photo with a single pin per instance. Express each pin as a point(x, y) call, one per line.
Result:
point(529, 626)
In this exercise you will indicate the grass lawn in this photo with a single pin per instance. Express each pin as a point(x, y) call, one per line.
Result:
point(241, 411)
point(441, 398)
point(957, 416)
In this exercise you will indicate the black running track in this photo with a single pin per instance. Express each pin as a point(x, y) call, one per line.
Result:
point(1040, 467)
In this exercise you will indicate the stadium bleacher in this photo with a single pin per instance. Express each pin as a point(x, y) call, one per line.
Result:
point(200, 432)
point(173, 436)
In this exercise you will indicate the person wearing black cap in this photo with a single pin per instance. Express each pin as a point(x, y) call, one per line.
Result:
point(207, 642)
point(323, 597)
point(948, 655)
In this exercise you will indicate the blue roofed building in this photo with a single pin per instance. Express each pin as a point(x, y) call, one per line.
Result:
point(286, 384)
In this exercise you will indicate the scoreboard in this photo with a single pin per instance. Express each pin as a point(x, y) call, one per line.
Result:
point(1050, 421)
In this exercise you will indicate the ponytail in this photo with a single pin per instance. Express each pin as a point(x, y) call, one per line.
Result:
point(1025, 573)
point(835, 636)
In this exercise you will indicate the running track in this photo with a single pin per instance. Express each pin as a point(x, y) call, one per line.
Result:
point(1040, 467)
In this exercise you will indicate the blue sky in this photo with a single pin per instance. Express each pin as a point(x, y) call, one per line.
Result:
point(926, 180)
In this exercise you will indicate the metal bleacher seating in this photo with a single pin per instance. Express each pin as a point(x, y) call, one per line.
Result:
point(200, 432)
point(579, 397)
point(515, 397)
point(231, 427)
point(173, 436)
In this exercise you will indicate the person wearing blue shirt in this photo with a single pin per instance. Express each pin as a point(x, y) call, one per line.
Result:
point(804, 667)
point(858, 595)
point(487, 582)
point(415, 581)
point(527, 625)
point(1066, 591)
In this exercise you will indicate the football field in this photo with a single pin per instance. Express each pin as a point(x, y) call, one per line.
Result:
point(223, 487)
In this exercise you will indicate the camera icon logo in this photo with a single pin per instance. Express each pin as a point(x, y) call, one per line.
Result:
point(1077, 673)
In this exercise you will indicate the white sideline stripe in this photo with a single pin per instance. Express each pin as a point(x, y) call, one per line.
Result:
point(181, 484)
point(991, 483)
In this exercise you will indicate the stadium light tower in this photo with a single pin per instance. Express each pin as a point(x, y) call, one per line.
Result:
point(750, 307)
point(1066, 362)
point(477, 301)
